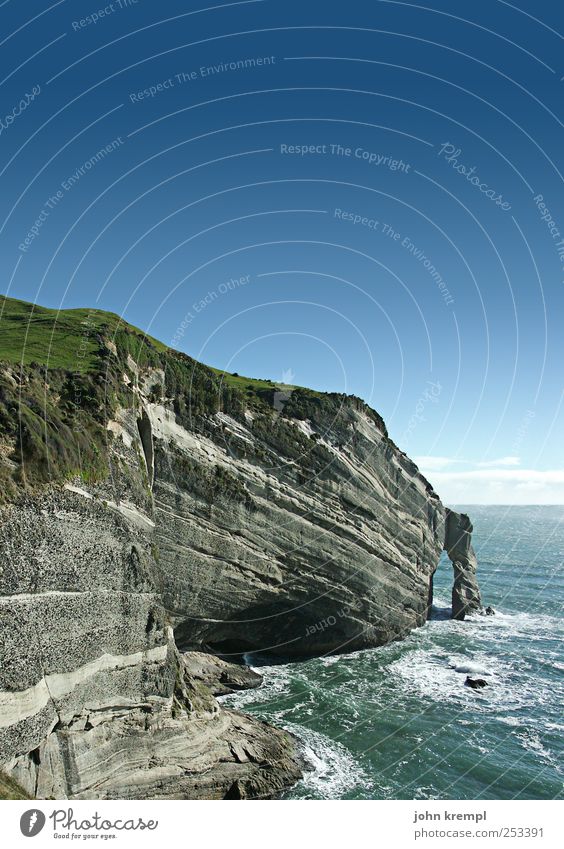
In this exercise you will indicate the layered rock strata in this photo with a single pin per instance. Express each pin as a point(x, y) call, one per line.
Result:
point(146, 505)
point(221, 677)
point(458, 545)
point(334, 551)
point(95, 700)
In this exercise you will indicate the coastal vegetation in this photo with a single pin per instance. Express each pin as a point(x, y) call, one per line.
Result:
point(64, 374)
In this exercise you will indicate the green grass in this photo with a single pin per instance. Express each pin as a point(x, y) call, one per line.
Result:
point(65, 339)
point(244, 384)
point(62, 384)
point(64, 381)
point(70, 340)
point(253, 384)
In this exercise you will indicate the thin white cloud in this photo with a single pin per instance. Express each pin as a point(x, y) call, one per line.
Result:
point(430, 462)
point(499, 481)
point(499, 486)
point(550, 476)
point(501, 461)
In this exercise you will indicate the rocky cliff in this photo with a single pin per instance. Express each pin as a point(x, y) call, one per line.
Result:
point(458, 544)
point(152, 505)
point(95, 699)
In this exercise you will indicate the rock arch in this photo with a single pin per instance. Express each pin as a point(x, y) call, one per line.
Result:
point(458, 545)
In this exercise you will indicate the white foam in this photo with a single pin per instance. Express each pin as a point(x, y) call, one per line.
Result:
point(510, 720)
point(334, 772)
point(433, 673)
point(471, 668)
point(531, 740)
point(276, 684)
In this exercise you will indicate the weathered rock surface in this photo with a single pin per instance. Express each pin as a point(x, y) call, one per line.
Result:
point(226, 520)
point(218, 675)
point(95, 700)
point(287, 561)
point(148, 753)
point(458, 545)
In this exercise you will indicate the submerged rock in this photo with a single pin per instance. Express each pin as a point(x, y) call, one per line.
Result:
point(475, 683)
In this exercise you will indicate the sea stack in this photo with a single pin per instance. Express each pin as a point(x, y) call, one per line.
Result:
point(458, 545)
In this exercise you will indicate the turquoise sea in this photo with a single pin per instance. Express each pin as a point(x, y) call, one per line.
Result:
point(398, 722)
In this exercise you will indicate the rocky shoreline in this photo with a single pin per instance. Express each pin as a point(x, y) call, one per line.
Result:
point(204, 518)
point(95, 700)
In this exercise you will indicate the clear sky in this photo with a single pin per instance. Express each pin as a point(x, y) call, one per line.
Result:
point(366, 196)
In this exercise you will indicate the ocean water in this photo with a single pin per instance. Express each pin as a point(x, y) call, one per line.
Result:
point(398, 722)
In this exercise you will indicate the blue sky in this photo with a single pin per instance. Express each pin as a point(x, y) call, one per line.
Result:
point(366, 195)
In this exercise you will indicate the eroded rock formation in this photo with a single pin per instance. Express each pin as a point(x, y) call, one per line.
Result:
point(95, 701)
point(458, 545)
point(214, 518)
point(331, 552)
point(220, 676)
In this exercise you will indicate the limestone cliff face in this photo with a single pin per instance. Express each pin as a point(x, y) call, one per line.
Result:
point(95, 700)
point(288, 561)
point(151, 505)
point(458, 544)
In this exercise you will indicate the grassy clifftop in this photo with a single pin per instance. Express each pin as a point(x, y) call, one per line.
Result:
point(64, 374)
point(63, 339)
